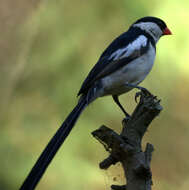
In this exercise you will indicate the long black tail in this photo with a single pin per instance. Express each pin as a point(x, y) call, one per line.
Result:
point(52, 147)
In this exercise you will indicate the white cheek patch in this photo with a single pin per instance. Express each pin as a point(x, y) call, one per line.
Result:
point(151, 28)
point(141, 41)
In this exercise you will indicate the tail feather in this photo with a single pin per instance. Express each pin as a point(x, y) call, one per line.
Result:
point(53, 146)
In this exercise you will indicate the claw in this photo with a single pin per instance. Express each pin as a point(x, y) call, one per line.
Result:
point(126, 119)
point(138, 94)
point(146, 92)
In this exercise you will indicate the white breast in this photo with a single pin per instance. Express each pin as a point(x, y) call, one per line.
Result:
point(132, 73)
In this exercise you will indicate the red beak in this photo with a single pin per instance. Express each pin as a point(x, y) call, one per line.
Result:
point(167, 31)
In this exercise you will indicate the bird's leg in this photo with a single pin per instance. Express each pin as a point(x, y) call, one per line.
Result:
point(116, 100)
point(144, 90)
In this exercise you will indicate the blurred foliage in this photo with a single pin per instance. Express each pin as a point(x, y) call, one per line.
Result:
point(46, 50)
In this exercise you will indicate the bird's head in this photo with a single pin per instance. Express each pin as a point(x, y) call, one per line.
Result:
point(154, 26)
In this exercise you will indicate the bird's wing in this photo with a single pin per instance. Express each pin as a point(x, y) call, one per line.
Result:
point(113, 58)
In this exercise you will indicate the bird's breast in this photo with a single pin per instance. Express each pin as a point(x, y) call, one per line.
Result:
point(132, 73)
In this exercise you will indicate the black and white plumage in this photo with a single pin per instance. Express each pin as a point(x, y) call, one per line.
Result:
point(122, 66)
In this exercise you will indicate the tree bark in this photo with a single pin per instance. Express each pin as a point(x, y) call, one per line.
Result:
point(126, 147)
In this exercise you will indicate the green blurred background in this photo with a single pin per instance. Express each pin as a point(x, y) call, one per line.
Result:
point(46, 50)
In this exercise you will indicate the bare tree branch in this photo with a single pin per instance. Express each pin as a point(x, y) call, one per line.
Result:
point(126, 147)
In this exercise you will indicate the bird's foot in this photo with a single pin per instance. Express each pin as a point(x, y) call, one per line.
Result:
point(127, 118)
point(143, 92)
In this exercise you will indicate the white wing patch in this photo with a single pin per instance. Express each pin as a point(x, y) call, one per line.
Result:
point(128, 50)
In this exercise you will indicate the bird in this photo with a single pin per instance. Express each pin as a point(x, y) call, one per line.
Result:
point(122, 66)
